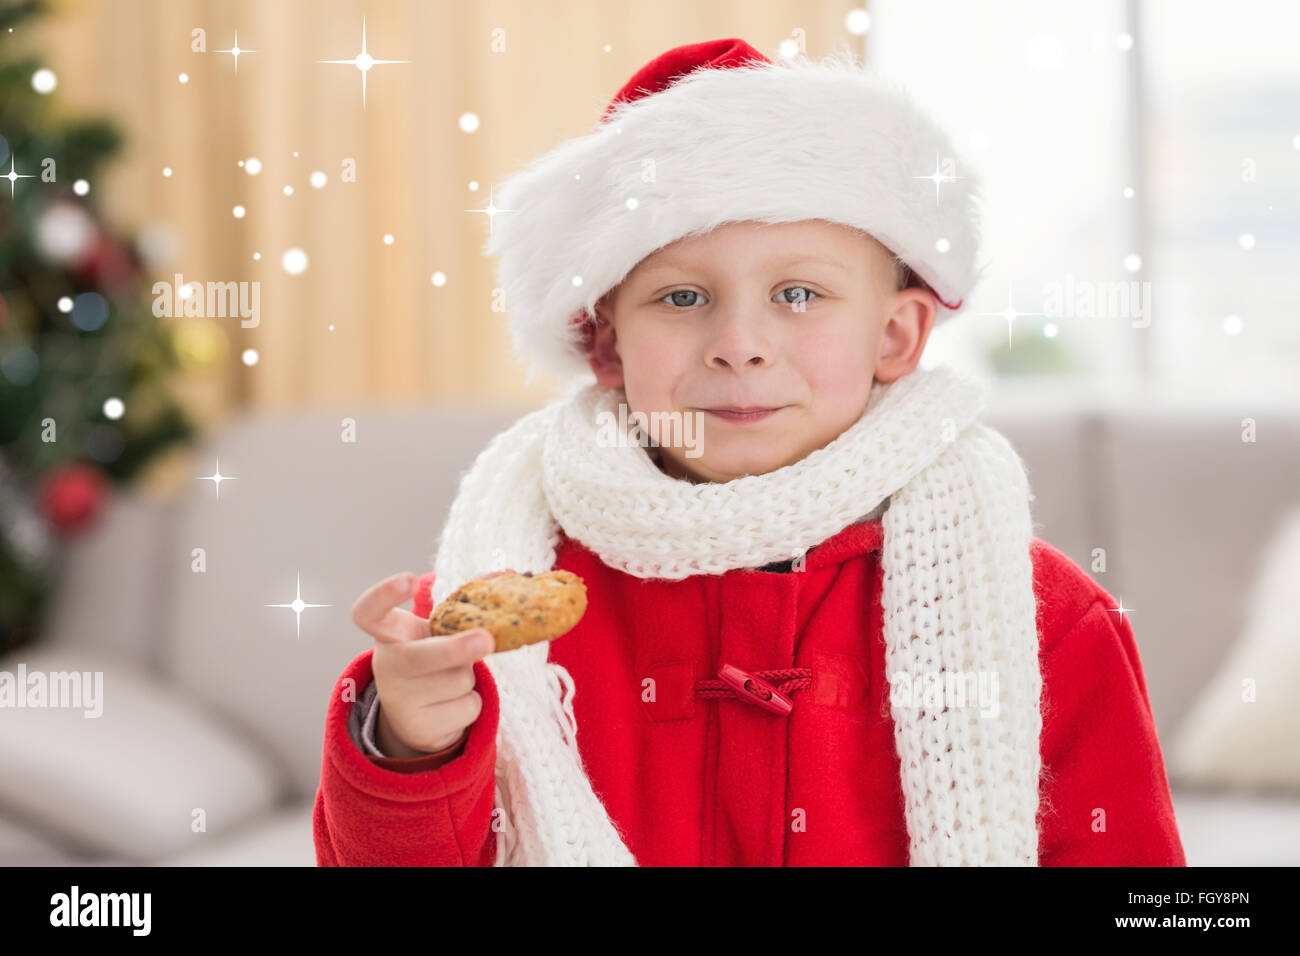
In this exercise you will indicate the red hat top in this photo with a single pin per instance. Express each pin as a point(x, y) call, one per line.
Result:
point(663, 70)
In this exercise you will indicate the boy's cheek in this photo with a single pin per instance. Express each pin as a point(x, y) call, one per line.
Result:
point(649, 371)
point(833, 362)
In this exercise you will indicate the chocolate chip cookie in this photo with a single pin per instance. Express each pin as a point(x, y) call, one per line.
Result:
point(517, 609)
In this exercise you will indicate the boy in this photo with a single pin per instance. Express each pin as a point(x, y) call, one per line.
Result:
point(823, 633)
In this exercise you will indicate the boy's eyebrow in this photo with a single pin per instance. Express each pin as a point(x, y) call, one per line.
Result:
point(788, 261)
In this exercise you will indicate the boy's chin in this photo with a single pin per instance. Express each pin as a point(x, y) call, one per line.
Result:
point(721, 466)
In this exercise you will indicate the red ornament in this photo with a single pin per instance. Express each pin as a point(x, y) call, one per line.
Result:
point(71, 495)
point(106, 262)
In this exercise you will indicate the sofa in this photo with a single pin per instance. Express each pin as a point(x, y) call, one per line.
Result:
point(208, 748)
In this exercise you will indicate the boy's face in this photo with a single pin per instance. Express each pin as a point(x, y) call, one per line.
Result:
point(800, 317)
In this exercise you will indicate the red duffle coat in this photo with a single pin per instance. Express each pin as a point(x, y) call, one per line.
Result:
point(702, 776)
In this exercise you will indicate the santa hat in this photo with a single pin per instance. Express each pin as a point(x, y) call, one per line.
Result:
point(716, 132)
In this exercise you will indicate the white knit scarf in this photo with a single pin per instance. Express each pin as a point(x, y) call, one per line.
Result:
point(957, 598)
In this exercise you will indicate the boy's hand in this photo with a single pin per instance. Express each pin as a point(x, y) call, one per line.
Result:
point(425, 684)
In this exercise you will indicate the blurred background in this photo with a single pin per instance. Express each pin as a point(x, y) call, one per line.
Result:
point(194, 489)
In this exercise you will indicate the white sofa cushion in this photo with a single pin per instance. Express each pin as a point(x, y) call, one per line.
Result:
point(1230, 830)
point(1230, 741)
point(127, 782)
point(22, 845)
point(282, 839)
point(1186, 510)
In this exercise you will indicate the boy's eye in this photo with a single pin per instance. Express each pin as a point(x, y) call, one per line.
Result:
point(802, 294)
point(806, 292)
point(678, 302)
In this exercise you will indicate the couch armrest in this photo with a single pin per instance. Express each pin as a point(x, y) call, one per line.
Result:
point(132, 780)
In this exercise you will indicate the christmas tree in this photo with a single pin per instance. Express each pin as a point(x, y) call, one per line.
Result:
point(83, 361)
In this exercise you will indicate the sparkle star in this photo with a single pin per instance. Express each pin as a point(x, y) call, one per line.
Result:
point(298, 605)
point(491, 210)
point(938, 176)
point(14, 176)
point(1010, 314)
point(217, 478)
point(1121, 609)
point(363, 61)
point(235, 51)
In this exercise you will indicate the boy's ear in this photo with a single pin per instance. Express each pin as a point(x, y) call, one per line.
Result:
point(603, 357)
point(906, 330)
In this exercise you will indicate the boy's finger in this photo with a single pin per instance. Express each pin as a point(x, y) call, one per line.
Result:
point(377, 612)
point(437, 653)
point(399, 626)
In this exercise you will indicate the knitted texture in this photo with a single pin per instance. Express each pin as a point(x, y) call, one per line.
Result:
point(957, 597)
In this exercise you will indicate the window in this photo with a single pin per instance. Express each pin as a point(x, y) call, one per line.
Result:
point(1142, 185)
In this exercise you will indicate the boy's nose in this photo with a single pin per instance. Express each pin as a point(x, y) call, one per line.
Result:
point(753, 360)
point(736, 340)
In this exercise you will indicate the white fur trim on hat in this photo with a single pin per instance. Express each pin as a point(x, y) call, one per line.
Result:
point(769, 142)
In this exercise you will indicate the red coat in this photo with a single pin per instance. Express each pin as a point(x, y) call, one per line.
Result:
point(701, 778)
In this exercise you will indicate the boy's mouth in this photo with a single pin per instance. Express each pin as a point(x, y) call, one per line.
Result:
point(743, 415)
